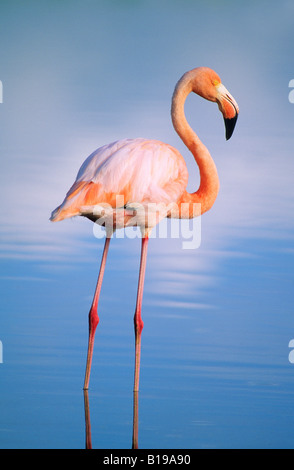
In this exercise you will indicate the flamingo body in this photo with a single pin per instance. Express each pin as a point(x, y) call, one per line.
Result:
point(140, 171)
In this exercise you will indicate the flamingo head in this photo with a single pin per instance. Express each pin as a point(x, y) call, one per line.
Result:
point(207, 84)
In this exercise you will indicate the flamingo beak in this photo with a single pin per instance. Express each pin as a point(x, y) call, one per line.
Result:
point(228, 107)
point(230, 126)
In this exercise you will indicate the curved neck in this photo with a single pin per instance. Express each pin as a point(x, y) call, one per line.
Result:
point(209, 182)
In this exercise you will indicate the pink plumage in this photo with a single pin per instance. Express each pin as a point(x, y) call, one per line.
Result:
point(138, 170)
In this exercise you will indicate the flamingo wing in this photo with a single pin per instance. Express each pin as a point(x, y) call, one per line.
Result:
point(138, 170)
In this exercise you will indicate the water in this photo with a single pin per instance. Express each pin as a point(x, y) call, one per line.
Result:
point(216, 377)
point(215, 365)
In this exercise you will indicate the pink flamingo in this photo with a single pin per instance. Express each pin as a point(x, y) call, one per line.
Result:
point(118, 180)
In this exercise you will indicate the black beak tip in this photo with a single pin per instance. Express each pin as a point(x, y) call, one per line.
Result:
point(230, 126)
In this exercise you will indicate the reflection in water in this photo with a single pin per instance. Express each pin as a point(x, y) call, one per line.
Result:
point(135, 421)
point(88, 422)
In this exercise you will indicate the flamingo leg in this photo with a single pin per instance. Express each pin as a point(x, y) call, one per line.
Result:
point(138, 322)
point(93, 315)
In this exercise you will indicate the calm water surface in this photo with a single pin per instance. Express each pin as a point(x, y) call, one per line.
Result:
point(210, 378)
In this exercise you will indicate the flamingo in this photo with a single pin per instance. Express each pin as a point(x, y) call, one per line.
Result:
point(123, 179)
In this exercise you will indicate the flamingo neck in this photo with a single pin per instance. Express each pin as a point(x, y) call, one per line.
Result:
point(209, 181)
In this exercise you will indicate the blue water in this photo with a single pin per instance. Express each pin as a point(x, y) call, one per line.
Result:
point(210, 378)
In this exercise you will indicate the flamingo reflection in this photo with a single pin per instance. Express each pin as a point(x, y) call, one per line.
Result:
point(88, 421)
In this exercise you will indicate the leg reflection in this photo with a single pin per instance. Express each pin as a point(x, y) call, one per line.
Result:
point(87, 420)
point(135, 420)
